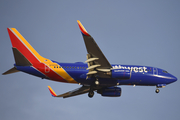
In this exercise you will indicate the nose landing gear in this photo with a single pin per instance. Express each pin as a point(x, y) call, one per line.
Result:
point(159, 86)
point(157, 90)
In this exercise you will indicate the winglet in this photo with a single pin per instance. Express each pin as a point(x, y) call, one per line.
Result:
point(83, 30)
point(52, 92)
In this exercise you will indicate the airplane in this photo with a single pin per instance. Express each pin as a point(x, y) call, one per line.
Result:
point(95, 75)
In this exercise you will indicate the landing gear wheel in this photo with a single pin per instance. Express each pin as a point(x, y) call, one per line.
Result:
point(157, 90)
point(91, 94)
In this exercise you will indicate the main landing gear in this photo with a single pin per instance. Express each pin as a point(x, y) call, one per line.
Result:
point(91, 91)
point(91, 94)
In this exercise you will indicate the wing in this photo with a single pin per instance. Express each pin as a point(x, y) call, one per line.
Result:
point(78, 91)
point(97, 62)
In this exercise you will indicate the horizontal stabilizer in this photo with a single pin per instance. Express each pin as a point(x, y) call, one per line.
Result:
point(12, 70)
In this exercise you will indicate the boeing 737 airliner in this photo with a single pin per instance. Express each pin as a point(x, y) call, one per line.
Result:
point(96, 74)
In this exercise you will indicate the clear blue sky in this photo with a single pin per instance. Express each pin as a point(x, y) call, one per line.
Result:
point(132, 32)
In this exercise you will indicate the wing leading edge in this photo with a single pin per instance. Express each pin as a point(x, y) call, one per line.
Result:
point(97, 62)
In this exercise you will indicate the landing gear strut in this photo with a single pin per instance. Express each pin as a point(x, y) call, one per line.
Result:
point(91, 91)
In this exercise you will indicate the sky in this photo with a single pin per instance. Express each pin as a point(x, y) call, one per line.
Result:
point(140, 32)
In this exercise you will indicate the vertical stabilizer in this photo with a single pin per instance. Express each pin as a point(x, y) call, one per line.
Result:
point(24, 53)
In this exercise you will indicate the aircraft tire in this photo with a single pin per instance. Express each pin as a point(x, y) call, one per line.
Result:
point(157, 90)
point(91, 94)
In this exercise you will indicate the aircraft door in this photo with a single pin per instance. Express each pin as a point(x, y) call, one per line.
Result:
point(155, 71)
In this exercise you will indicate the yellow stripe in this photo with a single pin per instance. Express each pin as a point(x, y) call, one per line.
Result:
point(59, 70)
point(82, 26)
point(66, 76)
point(48, 62)
point(28, 45)
point(52, 90)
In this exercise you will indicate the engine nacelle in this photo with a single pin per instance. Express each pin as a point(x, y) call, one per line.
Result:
point(110, 92)
point(122, 74)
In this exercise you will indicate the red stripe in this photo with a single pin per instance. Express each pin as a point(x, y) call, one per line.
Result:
point(52, 93)
point(36, 63)
point(20, 46)
point(84, 32)
point(51, 74)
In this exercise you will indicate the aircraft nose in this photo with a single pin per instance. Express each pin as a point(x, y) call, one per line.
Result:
point(174, 79)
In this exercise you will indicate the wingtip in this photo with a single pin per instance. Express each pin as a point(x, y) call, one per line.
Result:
point(52, 91)
point(83, 30)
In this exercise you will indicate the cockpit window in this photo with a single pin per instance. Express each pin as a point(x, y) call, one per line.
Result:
point(165, 71)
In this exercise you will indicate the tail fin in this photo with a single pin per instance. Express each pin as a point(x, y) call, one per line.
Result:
point(24, 53)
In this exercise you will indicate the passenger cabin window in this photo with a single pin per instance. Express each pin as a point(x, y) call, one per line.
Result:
point(72, 67)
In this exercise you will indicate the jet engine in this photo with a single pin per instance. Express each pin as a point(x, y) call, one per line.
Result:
point(110, 92)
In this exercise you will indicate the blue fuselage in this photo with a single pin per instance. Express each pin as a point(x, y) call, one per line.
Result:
point(140, 75)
